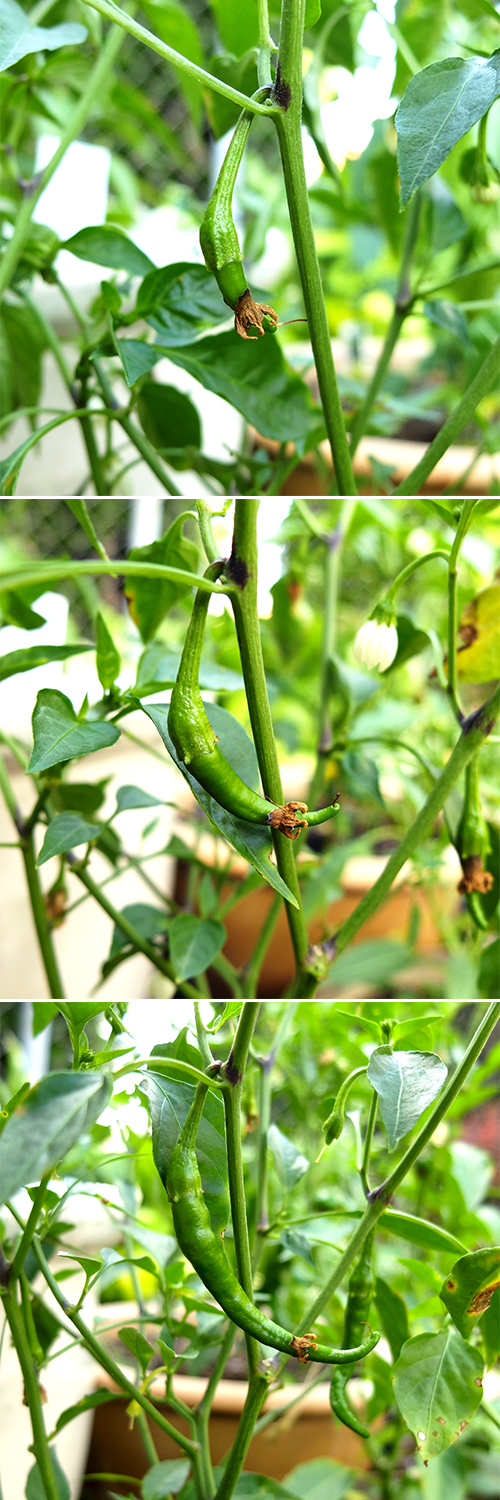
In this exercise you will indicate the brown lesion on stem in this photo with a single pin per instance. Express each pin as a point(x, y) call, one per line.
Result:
point(475, 877)
point(250, 314)
point(285, 818)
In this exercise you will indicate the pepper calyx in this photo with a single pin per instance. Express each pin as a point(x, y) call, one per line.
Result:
point(250, 314)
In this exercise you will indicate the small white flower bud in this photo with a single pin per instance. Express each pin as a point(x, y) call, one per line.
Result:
point(376, 645)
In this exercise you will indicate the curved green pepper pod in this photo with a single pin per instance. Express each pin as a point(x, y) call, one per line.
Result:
point(220, 245)
point(359, 1297)
point(473, 846)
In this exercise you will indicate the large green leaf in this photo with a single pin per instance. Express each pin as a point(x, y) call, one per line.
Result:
point(51, 1118)
point(169, 1101)
point(469, 1288)
point(255, 378)
point(237, 25)
point(169, 420)
point(438, 1385)
point(23, 344)
point(194, 942)
point(35, 1488)
point(440, 105)
point(29, 657)
point(239, 749)
point(59, 735)
point(252, 840)
point(66, 831)
point(319, 1479)
point(107, 657)
point(180, 301)
point(165, 1478)
point(393, 1315)
point(416, 1231)
point(158, 667)
point(19, 37)
point(105, 245)
point(406, 1082)
point(149, 599)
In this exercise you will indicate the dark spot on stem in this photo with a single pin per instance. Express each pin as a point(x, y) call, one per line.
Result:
point(238, 570)
point(232, 1074)
point(282, 92)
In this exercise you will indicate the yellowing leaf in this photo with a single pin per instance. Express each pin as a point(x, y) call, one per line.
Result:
point(478, 658)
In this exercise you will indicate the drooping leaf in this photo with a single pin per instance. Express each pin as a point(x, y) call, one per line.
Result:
point(165, 1479)
point(252, 840)
point(137, 358)
point(406, 1082)
point(289, 1162)
point(393, 1315)
point(15, 607)
point(194, 943)
point(51, 1118)
point(438, 1385)
point(169, 420)
point(80, 512)
point(297, 1243)
point(58, 734)
point(35, 1488)
point(22, 345)
point(138, 1345)
point(105, 245)
point(29, 657)
point(149, 599)
point(87, 1403)
point(469, 1288)
point(133, 796)
point(361, 777)
point(66, 831)
point(255, 378)
point(107, 657)
point(440, 105)
point(150, 922)
point(19, 37)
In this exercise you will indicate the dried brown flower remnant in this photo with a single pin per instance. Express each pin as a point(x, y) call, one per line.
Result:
point(475, 877)
point(301, 1346)
point(285, 818)
point(250, 314)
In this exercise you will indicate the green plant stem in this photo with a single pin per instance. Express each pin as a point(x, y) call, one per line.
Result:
point(382, 1195)
point(288, 125)
point(256, 1395)
point(147, 1438)
point(234, 1072)
point(412, 567)
point(108, 1364)
point(479, 387)
point(281, 1411)
point(334, 543)
point(54, 344)
point(255, 963)
point(50, 572)
point(144, 447)
point(30, 1229)
point(32, 1394)
point(113, 13)
point(370, 1126)
point(202, 1039)
point(47, 952)
point(402, 306)
point(94, 90)
point(203, 1410)
point(243, 568)
point(266, 46)
point(205, 524)
point(261, 1199)
point(461, 530)
point(474, 732)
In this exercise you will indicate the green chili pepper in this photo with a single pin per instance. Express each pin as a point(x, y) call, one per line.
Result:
point(205, 1252)
point(220, 246)
point(196, 742)
point(473, 845)
point(334, 1125)
point(359, 1297)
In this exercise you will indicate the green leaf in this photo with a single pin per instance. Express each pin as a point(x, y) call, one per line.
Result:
point(106, 246)
point(133, 796)
point(51, 1118)
point(406, 1082)
point(419, 1231)
point(169, 419)
point(165, 1479)
point(489, 968)
point(312, 13)
point(138, 1345)
point(81, 796)
point(175, 26)
point(78, 1013)
point(89, 1263)
point(297, 1243)
point(319, 1479)
point(29, 657)
point(43, 1013)
point(449, 316)
point(255, 378)
point(35, 1488)
point(150, 922)
point(66, 831)
point(289, 1162)
point(473, 1169)
point(14, 605)
point(239, 749)
point(415, 1023)
point(469, 1288)
point(87, 1403)
point(438, 1385)
point(137, 358)
point(440, 105)
point(490, 1329)
point(107, 658)
point(411, 641)
point(20, 1094)
point(180, 301)
point(169, 1101)
point(251, 840)
point(158, 667)
point(238, 29)
point(393, 1315)
point(194, 943)
point(361, 778)
point(232, 1008)
point(58, 733)
point(371, 962)
point(149, 599)
point(79, 509)
point(19, 38)
point(24, 343)
point(241, 73)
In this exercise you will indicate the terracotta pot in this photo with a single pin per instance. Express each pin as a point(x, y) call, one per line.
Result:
point(401, 455)
point(244, 922)
point(309, 1431)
